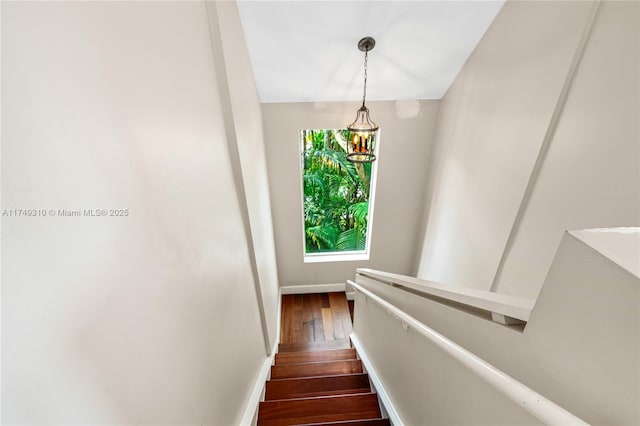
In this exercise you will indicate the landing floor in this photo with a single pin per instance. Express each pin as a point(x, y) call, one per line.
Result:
point(315, 317)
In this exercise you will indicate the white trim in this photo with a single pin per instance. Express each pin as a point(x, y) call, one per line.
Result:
point(394, 417)
point(373, 184)
point(526, 398)
point(256, 394)
point(278, 321)
point(333, 256)
point(312, 288)
point(338, 256)
point(509, 306)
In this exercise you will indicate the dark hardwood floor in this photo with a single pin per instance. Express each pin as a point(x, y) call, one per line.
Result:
point(317, 377)
point(315, 317)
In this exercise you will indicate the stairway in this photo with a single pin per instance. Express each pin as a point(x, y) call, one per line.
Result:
point(314, 383)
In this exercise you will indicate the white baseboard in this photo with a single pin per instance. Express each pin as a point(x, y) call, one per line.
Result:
point(278, 321)
point(249, 418)
point(394, 417)
point(312, 288)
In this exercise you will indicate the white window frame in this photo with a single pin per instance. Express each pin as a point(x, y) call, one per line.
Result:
point(339, 256)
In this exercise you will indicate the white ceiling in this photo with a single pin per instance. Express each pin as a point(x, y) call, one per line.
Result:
point(305, 51)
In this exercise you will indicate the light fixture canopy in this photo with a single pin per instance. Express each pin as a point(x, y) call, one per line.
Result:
point(363, 131)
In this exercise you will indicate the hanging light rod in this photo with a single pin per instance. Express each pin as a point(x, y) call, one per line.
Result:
point(363, 131)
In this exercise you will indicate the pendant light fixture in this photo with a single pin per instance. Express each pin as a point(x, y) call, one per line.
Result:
point(363, 131)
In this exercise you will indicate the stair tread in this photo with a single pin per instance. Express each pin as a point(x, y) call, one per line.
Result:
point(320, 361)
point(323, 419)
point(363, 391)
point(358, 422)
point(315, 386)
point(320, 382)
point(300, 357)
point(314, 369)
point(318, 394)
point(314, 410)
point(314, 346)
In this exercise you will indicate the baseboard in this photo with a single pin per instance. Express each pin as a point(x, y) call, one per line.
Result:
point(312, 288)
point(278, 321)
point(250, 416)
point(394, 417)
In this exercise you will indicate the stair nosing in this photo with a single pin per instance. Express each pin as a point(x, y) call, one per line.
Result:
point(369, 392)
point(346, 422)
point(315, 377)
point(284, 356)
point(304, 377)
point(322, 396)
point(317, 362)
point(316, 352)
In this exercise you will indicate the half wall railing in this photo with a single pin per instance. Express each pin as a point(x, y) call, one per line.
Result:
point(527, 399)
point(503, 308)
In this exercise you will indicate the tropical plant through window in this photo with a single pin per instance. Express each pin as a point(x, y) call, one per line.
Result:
point(336, 194)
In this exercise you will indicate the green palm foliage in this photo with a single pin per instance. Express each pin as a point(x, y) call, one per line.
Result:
point(336, 194)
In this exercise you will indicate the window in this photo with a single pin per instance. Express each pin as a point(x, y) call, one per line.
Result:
point(337, 198)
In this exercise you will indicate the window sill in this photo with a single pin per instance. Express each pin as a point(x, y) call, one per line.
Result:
point(335, 257)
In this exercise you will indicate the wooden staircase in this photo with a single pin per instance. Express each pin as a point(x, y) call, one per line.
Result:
point(319, 383)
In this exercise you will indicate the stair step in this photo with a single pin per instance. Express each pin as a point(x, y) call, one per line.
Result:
point(315, 356)
point(317, 386)
point(314, 410)
point(364, 422)
point(314, 369)
point(314, 346)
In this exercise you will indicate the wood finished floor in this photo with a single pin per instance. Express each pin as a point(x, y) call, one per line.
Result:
point(315, 317)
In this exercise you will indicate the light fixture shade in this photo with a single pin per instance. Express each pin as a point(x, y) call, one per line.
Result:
point(363, 134)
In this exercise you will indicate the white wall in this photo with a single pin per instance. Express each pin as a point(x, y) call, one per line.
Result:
point(427, 385)
point(407, 133)
point(491, 131)
point(621, 245)
point(591, 175)
point(121, 320)
point(249, 139)
point(579, 349)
